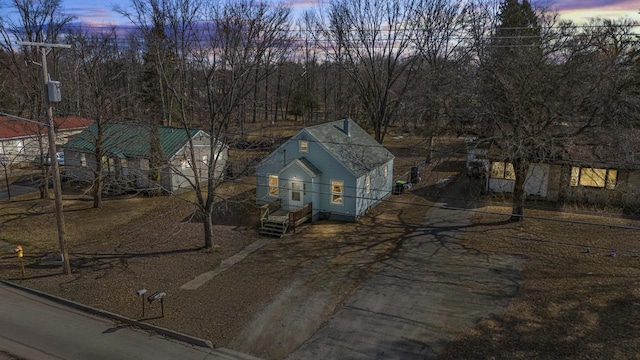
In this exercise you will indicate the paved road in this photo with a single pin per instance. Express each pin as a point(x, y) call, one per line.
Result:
point(417, 302)
point(16, 190)
point(35, 328)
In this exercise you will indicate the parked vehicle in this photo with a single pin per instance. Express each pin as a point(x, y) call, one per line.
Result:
point(38, 161)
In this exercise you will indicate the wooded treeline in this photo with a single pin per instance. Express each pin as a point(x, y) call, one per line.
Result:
point(421, 64)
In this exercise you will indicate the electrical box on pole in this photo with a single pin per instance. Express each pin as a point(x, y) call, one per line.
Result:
point(53, 88)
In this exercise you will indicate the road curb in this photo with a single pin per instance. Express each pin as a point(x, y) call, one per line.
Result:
point(91, 310)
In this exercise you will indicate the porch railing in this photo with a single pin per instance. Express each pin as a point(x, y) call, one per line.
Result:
point(300, 216)
point(269, 208)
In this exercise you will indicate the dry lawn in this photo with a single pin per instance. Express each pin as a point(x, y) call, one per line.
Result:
point(576, 300)
point(571, 303)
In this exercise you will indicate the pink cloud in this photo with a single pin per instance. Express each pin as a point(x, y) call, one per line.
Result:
point(630, 6)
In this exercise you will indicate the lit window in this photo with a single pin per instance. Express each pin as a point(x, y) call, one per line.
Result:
point(592, 177)
point(575, 176)
point(503, 170)
point(386, 171)
point(107, 164)
point(367, 184)
point(336, 192)
point(205, 160)
point(273, 185)
point(185, 164)
point(304, 146)
point(83, 160)
point(612, 178)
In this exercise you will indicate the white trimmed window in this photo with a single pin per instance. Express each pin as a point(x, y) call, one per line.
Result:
point(273, 185)
point(205, 160)
point(20, 146)
point(295, 191)
point(185, 165)
point(83, 160)
point(304, 146)
point(503, 170)
point(367, 184)
point(592, 177)
point(108, 164)
point(337, 191)
point(386, 171)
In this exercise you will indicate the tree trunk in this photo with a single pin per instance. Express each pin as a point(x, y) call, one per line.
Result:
point(255, 96)
point(266, 97)
point(429, 150)
point(208, 228)
point(521, 168)
point(44, 186)
point(97, 192)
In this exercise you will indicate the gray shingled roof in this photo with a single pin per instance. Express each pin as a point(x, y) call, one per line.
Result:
point(357, 151)
point(310, 167)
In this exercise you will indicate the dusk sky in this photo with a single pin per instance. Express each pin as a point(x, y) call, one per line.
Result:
point(96, 12)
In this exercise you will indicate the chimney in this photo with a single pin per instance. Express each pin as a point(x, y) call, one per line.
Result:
point(346, 127)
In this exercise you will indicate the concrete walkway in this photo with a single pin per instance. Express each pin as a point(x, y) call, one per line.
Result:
point(430, 291)
point(225, 264)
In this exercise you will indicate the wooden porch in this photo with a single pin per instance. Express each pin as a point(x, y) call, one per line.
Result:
point(275, 221)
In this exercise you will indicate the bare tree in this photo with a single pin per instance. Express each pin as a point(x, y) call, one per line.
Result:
point(242, 38)
point(36, 21)
point(218, 54)
point(541, 85)
point(372, 42)
point(99, 88)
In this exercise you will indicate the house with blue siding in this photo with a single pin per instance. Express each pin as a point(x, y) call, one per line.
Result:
point(337, 167)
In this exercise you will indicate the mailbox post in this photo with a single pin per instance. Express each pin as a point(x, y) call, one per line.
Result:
point(158, 295)
point(140, 293)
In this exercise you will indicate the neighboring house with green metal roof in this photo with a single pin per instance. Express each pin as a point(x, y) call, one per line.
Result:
point(337, 167)
point(127, 156)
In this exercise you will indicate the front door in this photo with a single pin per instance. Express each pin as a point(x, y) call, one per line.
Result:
point(295, 194)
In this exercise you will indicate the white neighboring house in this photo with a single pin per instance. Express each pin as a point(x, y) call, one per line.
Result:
point(126, 162)
point(594, 169)
point(21, 141)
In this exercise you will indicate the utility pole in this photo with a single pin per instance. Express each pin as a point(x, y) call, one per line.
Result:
point(57, 188)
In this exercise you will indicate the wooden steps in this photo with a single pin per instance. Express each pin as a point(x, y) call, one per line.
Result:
point(274, 227)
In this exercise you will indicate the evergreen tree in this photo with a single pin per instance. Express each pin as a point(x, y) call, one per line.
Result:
point(514, 87)
point(518, 26)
